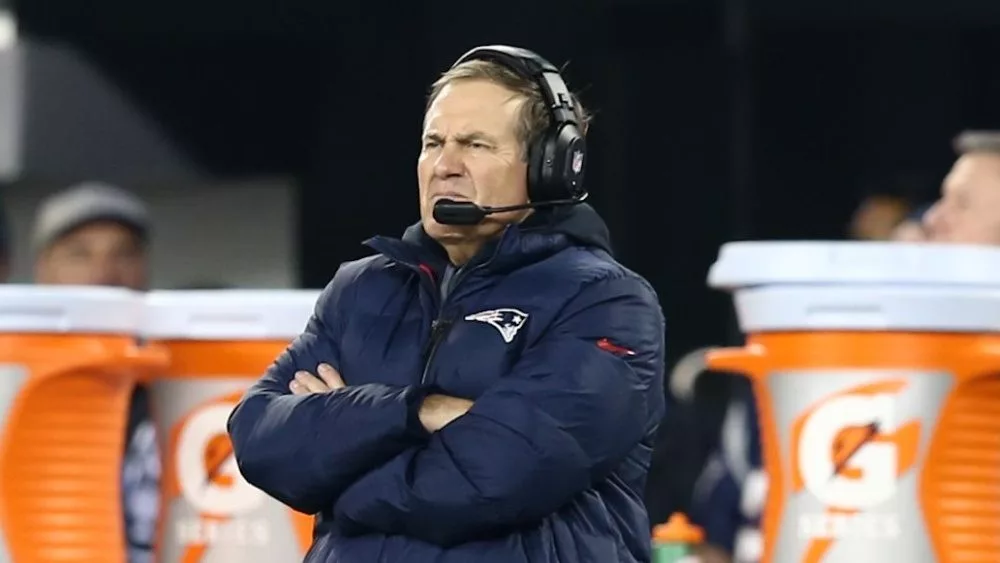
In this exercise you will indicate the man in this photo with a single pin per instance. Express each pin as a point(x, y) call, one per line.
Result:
point(729, 499)
point(877, 216)
point(481, 392)
point(968, 211)
point(92, 234)
point(96, 234)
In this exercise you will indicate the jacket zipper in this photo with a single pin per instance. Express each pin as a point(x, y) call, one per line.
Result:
point(441, 325)
point(439, 329)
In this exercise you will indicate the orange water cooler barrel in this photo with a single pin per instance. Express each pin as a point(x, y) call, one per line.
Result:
point(219, 343)
point(876, 368)
point(68, 365)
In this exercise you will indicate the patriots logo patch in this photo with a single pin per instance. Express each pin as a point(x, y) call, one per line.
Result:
point(506, 321)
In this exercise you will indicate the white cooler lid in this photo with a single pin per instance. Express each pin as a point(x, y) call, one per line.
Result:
point(861, 286)
point(236, 314)
point(745, 264)
point(67, 309)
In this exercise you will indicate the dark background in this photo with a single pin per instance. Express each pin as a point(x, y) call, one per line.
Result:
point(715, 120)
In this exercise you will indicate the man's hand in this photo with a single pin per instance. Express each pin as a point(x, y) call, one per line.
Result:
point(437, 411)
point(306, 383)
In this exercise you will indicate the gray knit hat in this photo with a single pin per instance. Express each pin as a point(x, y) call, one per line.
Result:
point(85, 203)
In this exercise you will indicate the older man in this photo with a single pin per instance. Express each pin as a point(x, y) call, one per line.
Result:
point(487, 388)
point(969, 208)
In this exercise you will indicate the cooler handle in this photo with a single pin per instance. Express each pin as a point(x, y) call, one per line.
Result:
point(146, 359)
point(94, 495)
point(747, 360)
point(984, 361)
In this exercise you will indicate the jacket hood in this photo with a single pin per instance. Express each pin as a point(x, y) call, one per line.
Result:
point(581, 223)
point(543, 233)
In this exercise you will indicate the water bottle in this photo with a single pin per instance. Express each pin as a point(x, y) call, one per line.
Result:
point(675, 541)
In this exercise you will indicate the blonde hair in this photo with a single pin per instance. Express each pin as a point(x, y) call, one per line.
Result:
point(977, 141)
point(534, 116)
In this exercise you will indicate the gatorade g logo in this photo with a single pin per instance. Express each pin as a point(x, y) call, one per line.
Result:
point(205, 467)
point(848, 451)
point(851, 448)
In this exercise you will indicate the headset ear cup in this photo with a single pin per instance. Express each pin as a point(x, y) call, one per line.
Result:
point(573, 154)
point(551, 173)
point(565, 154)
point(549, 187)
point(557, 170)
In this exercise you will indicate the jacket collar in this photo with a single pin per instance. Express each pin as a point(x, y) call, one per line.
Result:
point(541, 235)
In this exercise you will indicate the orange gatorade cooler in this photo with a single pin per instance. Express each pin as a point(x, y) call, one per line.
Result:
point(68, 364)
point(876, 368)
point(219, 342)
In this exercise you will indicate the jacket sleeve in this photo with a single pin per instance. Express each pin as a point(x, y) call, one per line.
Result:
point(304, 450)
point(575, 404)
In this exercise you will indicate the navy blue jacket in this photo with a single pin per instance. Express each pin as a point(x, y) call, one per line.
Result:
point(559, 346)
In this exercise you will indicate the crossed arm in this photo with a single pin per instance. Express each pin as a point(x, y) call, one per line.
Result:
point(444, 470)
point(304, 438)
point(436, 411)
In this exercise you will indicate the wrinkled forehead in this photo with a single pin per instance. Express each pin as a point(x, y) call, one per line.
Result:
point(464, 106)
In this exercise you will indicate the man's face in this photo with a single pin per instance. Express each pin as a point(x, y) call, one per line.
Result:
point(99, 253)
point(969, 209)
point(471, 153)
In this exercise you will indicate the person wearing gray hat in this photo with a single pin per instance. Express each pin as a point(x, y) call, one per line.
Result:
point(92, 234)
point(97, 234)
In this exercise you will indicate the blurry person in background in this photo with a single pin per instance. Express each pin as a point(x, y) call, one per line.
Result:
point(92, 234)
point(968, 211)
point(697, 400)
point(729, 497)
point(877, 216)
point(96, 234)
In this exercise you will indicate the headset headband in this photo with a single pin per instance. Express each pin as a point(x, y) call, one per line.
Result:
point(531, 66)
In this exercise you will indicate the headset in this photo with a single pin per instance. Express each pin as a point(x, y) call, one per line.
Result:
point(556, 159)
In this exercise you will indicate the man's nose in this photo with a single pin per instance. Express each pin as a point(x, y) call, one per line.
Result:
point(105, 272)
point(449, 162)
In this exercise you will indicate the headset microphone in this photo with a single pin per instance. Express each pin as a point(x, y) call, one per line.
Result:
point(467, 213)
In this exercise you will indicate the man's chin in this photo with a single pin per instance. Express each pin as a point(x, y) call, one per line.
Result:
point(441, 232)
